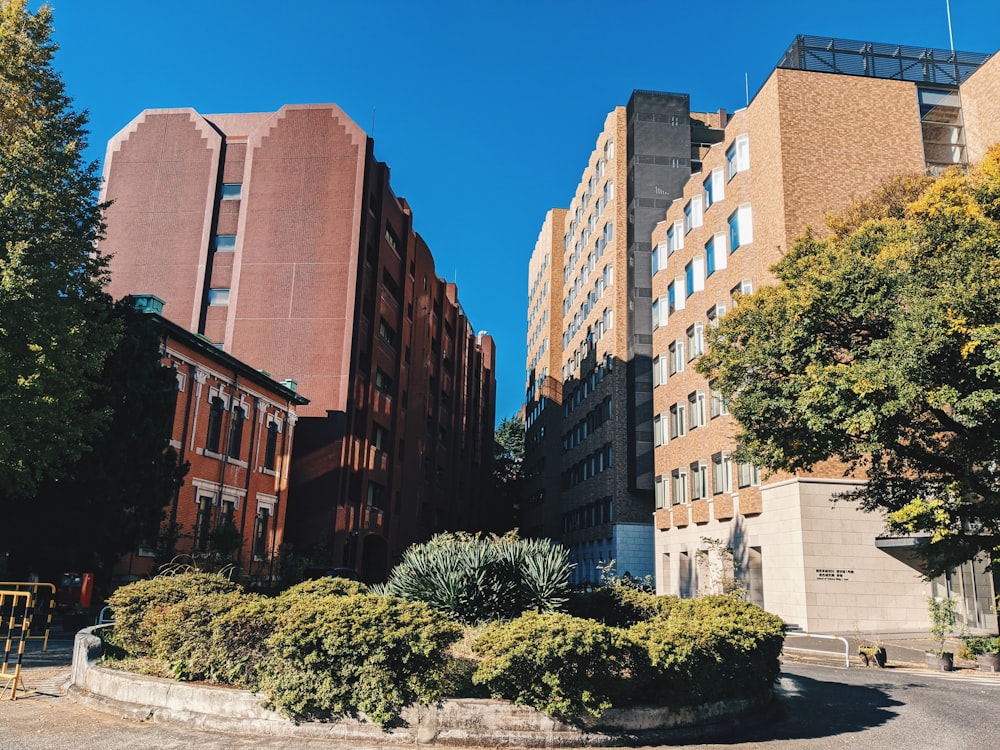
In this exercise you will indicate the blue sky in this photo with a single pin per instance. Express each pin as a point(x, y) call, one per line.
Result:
point(486, 112)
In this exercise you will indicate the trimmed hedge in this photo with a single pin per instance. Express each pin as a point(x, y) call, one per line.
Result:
point(339, 655)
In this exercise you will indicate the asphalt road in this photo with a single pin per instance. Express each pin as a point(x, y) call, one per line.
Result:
point(818, 707)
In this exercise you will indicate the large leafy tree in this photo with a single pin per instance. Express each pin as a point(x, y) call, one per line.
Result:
point(111, 499)
point(56, 329)
point(880, 347)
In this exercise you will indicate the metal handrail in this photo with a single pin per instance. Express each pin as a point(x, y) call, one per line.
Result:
point(847, 646)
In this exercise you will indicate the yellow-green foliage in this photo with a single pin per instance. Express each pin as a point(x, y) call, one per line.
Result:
point(337, 655)
point(325, 586)
point(557, 663)
point(139, 607)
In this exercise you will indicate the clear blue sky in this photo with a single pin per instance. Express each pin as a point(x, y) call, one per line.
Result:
point(486, 112)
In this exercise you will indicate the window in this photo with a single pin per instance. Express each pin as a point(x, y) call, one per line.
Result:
point(722, 473)
point(692, 214)
point(696, 340)
point(738, 156)
point(659, 370)
point(715, 187)
point(232, 191)
point(696, 409)
point(718, 406)
point(260, 529)
point(740, 227)
point(609, 232)
point(391, 239)
point(225, 243)
point(678, 486)
point(675, 237)
point(214, 435)
point(699, 480)
point(748, 475)
point(609, 191)
point(271, 446)
point(743, 288)
point(608, 319)
point(678, 422)
point(218, 297)
point(676, 350)
point(383, 382)
point(202, 523)
point(236, 431)
point(609, 150)
point(694, 276)
point(654, 259)
point(661, 430)
point(715, 253)
point(386, 333)
point(661, 490)
point(660, 312)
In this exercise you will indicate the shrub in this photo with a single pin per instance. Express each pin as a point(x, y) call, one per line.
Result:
point(180, 634)
point(139, 606)
point(975, 645)
point(336, 655)
point(474, 578)
point(619, 606)
point(710, 649)
point(325, 586)
point(557, 663)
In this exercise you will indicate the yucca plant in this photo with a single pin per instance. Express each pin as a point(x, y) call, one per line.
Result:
point(478, 578)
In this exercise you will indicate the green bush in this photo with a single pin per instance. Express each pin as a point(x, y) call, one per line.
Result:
point(563, 665)
point(710, 649)
point(474, 578)
point(619, 606)
point(139, 606)
point(325, 586)
point(975, 645)
point(337, 655)
point(180, 634)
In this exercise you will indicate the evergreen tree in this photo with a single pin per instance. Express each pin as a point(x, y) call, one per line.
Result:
point(56, 328)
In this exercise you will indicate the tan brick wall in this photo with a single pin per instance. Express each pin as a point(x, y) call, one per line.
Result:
point(981, 109)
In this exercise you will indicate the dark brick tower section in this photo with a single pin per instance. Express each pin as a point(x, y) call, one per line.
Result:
point(277, 236)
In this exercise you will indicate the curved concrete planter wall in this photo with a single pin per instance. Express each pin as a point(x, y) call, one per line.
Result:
point(460, 721)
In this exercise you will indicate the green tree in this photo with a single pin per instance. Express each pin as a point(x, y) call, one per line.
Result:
point(508, 463)
point(110, 499)
point(56, 328)
point(880, 347)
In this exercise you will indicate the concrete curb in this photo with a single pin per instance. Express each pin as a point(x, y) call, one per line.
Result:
point(462, 721)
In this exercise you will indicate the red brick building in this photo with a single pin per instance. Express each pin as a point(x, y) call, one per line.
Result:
point(234, 426)
point(277, 237)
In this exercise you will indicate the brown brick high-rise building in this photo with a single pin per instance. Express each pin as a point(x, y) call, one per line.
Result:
point(278, 238)
point(832, 122)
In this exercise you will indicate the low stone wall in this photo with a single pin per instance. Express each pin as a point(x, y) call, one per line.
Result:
point(460, 721)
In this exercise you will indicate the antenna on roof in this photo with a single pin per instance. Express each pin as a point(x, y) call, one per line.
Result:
point(746, 84)
point(951, 39)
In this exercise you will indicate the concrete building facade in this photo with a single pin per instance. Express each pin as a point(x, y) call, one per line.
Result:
point(589, 458)
point(277, 237)
point(832, 122)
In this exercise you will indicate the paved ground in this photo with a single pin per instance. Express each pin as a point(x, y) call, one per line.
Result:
point(819, 707)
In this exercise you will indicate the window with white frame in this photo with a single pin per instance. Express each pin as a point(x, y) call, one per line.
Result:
point(678, 486)
point(694, 275)
point(740, 227)
point(722, 473)
point(659, 370)
point(742, 289)
point(748, 475)
point(678, 421)
point(696, 409)
point(609, 150)
point(718, 406)
point(699, 480)
point(695, 340)
point(715, 187)
point(661, 430)
point(654, 260)
point(661, 491)
point(693, 217)
point(676, 233)
point(738, 156)
point(715, 253)
point(676, 351)
point(660, 312)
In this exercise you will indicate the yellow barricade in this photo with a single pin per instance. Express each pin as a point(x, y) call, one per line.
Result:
point(15, 625)
point(43, 603)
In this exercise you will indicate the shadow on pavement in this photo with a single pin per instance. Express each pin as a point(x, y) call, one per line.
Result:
point(807, 708)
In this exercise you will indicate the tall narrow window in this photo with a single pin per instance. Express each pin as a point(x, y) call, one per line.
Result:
point(260, 529)
point(236, 431)
point(722, 473)
point(214, 435)
point(202, 523)
point(271, 446)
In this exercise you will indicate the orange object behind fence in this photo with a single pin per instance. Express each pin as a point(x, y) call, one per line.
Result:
point(15, 625)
